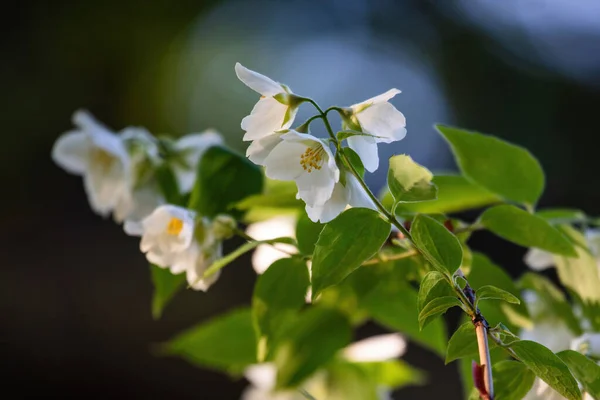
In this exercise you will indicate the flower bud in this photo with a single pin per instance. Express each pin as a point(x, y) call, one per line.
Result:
point(223, 226)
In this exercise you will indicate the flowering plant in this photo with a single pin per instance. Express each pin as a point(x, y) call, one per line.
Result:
point(332, 255)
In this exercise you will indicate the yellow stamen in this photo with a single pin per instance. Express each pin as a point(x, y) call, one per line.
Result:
point(175, 226)
point(102, 158)
point(312, 158)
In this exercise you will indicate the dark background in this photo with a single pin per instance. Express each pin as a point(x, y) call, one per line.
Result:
point(75, 291)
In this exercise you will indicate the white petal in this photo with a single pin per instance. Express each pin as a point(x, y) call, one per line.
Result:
point(283, 163)
point(383, 120)
point(261, 376)
point(195, 280)
point(382, 98)
point(258, 150)
point(538, 260)
point(186, 260)
point(257, 82)
point(332, 207)
point(265, 255)
point(316, 187)
point(358, 196)
point(133, 228)
point(555, 335)
point(366, 148)
point(376, 348)
point(70, 151)
point(199, 141)
point(588, 341)
point(266, 117)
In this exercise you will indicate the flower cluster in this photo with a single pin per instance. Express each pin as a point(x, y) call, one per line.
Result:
point(325, 183)
point(120, 173)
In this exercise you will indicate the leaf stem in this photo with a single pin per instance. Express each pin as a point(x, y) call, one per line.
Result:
point(378, 259)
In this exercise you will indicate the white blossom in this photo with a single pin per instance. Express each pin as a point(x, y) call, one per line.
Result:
point(100, 157)
point(270, 114)
point(343, 196)
point(173, 238)
point(306, 160)
point(189, 150)
point(262, 377)
point(265, 255)
point(380, 119)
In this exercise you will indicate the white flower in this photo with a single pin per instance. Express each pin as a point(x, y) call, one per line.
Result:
point(262, 377)
point(190, 149)
point(100, 156)
point(343, 196)
point(259, 149)
point(308, 161)
point(538, 260)
point(379, 118)
point(172, 238)
point(588, 343)
point(265, 255)
point(270, 114)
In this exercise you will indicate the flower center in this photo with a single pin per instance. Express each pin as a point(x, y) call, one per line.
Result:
point(102, 158)
point(175, 226)
point(312, 158)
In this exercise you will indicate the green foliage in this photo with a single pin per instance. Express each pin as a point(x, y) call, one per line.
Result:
point(484, 272)
point(410, 182)
point(553, 298)
point(548, 367)
point(226, 343)
point(278, 198)
point(279, 294)
point(520, 227)
point(561, 215)
point(455, 193)
point(584, 370)
point(307, 234)
point(336, 254)
point(580, 273)
point(490, 292)
point(436, 307)
point(167, 182)
point(438, 245)
point(308, 342)
point(224, 179)
point(354, 160)
point(392, 373)
point(501, 167)
point(512, 380)
point(166, 285)
point(433, 285)
point(463, 343)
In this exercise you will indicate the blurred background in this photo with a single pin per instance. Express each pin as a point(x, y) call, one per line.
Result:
point(75, 291)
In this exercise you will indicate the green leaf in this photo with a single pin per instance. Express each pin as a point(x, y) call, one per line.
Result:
point(226, 343)
point(392, 373)
point(553, 298)
point(548, 367)
point(279, 195)
point(307, 234)
point(512, 380)
point(439, 246)
point(436, 307)
point(383, 292)
point(584, 370)
point(354, 160)
point(410, 182)
point(167, 182)
point(455, 193)
point(561, 215)
point(347, 380)
point(484, 272)
point(433, 285)
point(224, 179)
point(278, 294)
point(309, 342)
point(344, 244)
point(581, 273)
point(490, 292)
point(166, 285)
point(463, 343)
point(502, 168)
point(246, 247)
point(522, 228)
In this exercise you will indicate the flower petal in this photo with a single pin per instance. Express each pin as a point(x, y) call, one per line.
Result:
point(358, 196)
point(192, 147)
point(259, 149)
point(258, 82)
point(376, 348)
point(332, 207)
point(382, 98)
point(383, 120)
point(71, 151)
point(538, 260)
point(266, 117)
point(366, 148)
point(283, 163)
point(316, 187)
